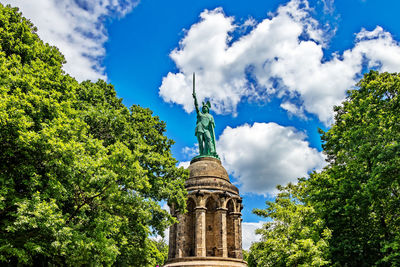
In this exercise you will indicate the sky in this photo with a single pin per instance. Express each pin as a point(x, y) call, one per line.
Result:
point(273, 70)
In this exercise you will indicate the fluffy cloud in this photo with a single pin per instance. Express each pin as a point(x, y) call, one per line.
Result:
point(264, 155)
point(282, 56)
point(184, 164)
point(76, 27)
point(248, 233)
point(190, 152)
point(292, 109)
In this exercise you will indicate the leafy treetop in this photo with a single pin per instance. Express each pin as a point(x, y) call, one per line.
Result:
point(356, 197)
point(81, 176)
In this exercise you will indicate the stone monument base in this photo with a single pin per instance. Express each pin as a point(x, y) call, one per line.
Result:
point(205, 262)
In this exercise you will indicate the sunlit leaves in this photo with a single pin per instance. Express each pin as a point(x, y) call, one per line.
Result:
point(358, 193)
point(81, 175)
point(296, 236)
point(355, 200)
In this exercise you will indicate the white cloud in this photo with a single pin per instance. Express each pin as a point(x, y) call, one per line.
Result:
point(184, 164)
point(264, 155)
point(76, 27)
point(250, 22)
point(283, 56)
point(292, 109)
point(190, 152)
point(248, 233)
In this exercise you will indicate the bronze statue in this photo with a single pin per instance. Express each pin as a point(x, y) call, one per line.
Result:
point(204, 127)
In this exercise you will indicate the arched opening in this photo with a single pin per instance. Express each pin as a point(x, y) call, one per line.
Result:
point(211, 231)
point(230, 225)
point(190, 230)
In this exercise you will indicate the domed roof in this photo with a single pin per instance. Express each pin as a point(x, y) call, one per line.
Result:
point(208, 173)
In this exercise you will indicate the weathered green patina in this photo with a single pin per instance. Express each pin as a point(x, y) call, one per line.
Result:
point(204, 128)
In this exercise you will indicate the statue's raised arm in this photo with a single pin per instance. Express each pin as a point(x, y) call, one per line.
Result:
point(196, 105)
point(204, 128)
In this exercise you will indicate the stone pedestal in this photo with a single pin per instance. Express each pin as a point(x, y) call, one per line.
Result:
point(210, 234)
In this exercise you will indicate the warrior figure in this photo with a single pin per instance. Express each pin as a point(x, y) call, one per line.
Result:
point(205, 128)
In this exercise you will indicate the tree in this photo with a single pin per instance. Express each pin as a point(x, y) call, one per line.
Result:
point(356, 196)
point(296, 236)
point(358, 193)
point(81, 176)
point(161, 251)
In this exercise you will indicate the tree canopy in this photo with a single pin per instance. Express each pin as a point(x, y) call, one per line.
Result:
point(296, 236)
point(81, 175)
point(357, 195)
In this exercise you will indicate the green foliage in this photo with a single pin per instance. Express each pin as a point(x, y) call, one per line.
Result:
point(161, 252)
point(356, 197)
point(295, 236)
point(358, 194)
point(245, 254)
point(81, 176)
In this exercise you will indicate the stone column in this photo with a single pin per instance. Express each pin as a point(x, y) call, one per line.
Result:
point(221, 233)
point(238, 235)
point(180, 236)
point(172, 241)
point(200, 235)
point(172, 235)
point(240, 256)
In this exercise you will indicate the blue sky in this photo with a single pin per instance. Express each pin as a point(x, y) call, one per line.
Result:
point(273, 70)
